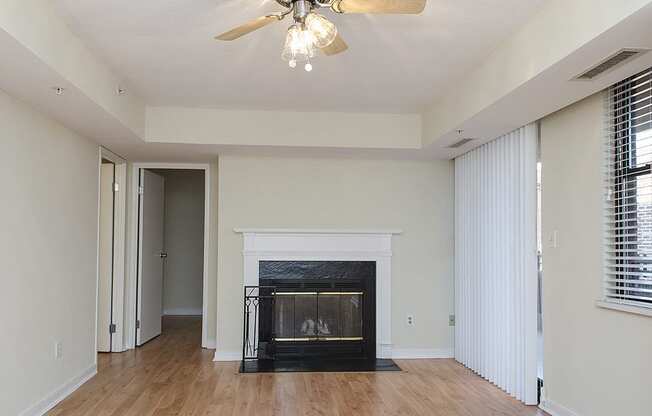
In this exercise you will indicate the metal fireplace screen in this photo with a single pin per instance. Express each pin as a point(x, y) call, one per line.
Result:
point(318, 316)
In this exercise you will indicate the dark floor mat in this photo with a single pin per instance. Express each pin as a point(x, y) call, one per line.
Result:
point(331, 365)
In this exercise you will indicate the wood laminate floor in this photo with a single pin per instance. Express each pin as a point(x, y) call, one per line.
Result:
point(171, 375)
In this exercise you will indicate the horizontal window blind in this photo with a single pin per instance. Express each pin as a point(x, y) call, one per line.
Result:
point(628, 208)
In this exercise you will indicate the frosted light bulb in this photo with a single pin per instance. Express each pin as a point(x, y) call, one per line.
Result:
point(308, 67)
point(292, 63)
point(323, 31)
point(299, 45)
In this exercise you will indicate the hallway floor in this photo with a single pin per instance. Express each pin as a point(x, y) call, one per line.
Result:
point(172, 375)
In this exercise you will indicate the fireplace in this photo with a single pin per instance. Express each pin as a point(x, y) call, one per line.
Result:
point(317, 310)
point(333, 290)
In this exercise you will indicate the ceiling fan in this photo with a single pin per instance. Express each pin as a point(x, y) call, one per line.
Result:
point(311, 31)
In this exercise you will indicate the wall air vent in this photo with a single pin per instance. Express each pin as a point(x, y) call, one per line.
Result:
point(459, 143)
point(610, 63)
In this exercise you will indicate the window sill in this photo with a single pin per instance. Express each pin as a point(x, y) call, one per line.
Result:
point(624, 307)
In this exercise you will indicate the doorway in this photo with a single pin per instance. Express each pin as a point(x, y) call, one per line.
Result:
point(172, 207)
point(105, 323)
point(539, 272)
point(110, 254)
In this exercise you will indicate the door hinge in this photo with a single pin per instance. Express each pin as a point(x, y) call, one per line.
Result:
point(138, 324)
point(112, 329)
point(116, 186)
point(141, 190)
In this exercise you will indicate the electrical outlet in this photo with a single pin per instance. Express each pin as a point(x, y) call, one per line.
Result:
point(451, 320)
point(410, 320)
point(58, 350)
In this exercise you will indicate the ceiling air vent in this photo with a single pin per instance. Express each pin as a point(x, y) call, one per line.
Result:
point(619, 58)
point(459, 143)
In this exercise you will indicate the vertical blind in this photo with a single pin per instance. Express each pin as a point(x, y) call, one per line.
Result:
point(496, 262)
point(628, 207)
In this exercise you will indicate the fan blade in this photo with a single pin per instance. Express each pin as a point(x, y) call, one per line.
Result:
point(337, 46)
point(248, 27)
point(379, 6)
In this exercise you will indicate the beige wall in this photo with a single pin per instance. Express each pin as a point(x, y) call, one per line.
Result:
point(416, 197)
point(48, 255)
point(269, 128)
point(597, 362)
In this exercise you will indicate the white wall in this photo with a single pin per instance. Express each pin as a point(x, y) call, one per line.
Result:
point(597, 362)
point(526, 76)
point(56, 51)
point(414, 196)
point(269, 128)
point(184, 241)
point(48, 255)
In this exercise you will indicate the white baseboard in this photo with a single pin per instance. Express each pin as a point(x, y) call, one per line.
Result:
point(555, 409)
point(383, 350)
point(183, 312)
point(60, 393)
point(209, 344)
point(415, 353)
point(221, 355)
point(397, 353)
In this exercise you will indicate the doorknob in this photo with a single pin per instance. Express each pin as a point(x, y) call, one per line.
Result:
point(163, 254)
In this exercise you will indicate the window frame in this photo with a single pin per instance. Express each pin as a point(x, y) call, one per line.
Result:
point(623, 190)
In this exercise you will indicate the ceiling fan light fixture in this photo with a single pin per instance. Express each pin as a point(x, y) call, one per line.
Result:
point(299, 46)
point(323, 30)
point(312, 32)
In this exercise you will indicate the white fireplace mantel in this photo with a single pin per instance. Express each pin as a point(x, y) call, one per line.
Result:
point(328, 245)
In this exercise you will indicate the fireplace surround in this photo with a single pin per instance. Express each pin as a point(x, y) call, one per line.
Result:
point(346, 272)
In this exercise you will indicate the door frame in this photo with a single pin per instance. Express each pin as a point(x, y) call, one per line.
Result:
point(134, 237)
point(119, 240)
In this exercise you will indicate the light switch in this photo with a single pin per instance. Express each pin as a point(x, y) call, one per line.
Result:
point(553, 239)
point(58, 350)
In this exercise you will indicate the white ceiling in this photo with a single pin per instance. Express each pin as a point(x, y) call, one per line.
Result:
point(165, 52)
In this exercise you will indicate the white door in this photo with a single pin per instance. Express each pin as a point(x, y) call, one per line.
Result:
point(151, 257)
point(105, 277)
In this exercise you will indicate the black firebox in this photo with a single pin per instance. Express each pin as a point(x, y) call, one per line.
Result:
point(312, 316)
point(317, 310)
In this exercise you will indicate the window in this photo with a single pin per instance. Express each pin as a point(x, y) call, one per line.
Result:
point(628, 275)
